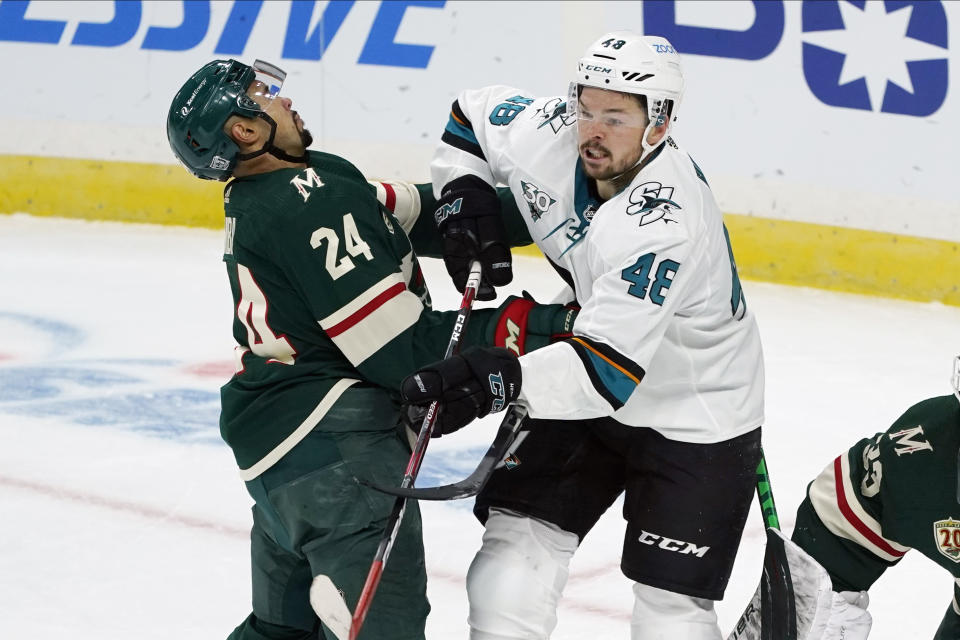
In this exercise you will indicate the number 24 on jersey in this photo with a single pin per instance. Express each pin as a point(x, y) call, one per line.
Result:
point(355, 246)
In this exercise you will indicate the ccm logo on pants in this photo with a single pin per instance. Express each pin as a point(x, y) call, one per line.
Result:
point(669, 544)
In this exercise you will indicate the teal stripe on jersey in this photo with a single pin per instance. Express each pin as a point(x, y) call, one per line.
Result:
point(618, 384)
point(461, 131)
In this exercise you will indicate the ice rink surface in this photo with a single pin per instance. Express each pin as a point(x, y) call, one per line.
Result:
point(122, 512)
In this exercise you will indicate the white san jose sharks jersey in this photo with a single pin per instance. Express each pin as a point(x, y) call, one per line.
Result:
point(665, 338)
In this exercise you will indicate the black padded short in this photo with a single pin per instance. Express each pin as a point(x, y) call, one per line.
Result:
point(685, 503)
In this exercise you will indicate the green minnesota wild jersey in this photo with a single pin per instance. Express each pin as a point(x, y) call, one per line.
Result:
point(327, 293)
point(891, 493)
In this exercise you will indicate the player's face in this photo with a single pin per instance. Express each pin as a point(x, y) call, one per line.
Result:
point(610, 126)
point(291, 135)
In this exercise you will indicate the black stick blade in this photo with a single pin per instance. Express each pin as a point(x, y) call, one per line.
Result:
point(472, 484)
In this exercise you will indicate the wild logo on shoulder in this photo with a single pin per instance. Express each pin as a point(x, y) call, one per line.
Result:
point(908, 441)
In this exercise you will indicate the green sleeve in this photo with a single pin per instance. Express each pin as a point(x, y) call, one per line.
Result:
point(426, 241)
point(851, 567)
point(949, 628)
point(424, 343)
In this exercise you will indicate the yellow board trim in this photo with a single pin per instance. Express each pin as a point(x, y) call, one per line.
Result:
point(841, 259)
point(781, 251)
point(109, 190)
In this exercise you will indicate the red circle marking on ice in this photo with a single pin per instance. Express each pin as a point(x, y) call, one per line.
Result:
point(6, 356)
point(217, 369)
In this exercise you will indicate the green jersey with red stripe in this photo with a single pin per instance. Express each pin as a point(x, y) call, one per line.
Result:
point(327, 293)
point(888, 494)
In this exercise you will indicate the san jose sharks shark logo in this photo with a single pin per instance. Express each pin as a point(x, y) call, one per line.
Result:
point(652, 202)
point(554, 113)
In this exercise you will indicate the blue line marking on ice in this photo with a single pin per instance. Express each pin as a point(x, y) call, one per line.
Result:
point(136, 395)
point(188, 415)
point(21, 384)
point(63, 336)
point(111, 392)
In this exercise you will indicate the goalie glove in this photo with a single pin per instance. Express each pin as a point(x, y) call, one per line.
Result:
point(468, 218)
point(469, 385)
point(523, 325)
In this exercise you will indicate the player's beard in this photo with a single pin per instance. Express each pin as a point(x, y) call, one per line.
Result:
point(613, 169)
point(307, 138)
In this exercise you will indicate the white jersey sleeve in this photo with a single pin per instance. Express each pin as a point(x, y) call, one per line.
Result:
point(476, 138)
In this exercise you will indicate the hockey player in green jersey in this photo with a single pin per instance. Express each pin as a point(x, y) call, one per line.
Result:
point(330, 313)
point(889, 493)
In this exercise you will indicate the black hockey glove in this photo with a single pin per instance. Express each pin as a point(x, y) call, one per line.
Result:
point(468, 217)
point(523, 325)
point(469, 385)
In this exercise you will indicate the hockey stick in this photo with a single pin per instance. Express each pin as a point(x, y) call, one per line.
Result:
point(470, 486)
point(413, 465)
point(793, 598)
point(778, 612)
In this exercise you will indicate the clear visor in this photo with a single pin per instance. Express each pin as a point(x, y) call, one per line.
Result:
point(267, 81)
point(613, 117)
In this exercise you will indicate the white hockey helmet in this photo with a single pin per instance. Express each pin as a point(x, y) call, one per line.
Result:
point(632, 63)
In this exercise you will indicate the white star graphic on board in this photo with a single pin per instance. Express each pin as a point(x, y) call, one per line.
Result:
point(876, 46)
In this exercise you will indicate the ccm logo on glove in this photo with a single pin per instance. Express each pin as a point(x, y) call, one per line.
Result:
point(468, 218)
point(470, 385)
point(496, 390)
point(447, 210)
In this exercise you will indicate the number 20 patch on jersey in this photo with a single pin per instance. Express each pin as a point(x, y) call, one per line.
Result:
point(947, 533)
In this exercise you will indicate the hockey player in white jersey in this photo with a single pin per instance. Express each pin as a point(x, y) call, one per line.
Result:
point(658, 394)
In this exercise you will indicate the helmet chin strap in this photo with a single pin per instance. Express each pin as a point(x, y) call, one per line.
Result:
point(270, 148)
point(645, 150)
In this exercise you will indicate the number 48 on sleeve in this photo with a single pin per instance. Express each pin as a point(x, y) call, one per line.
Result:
point(638, 274)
